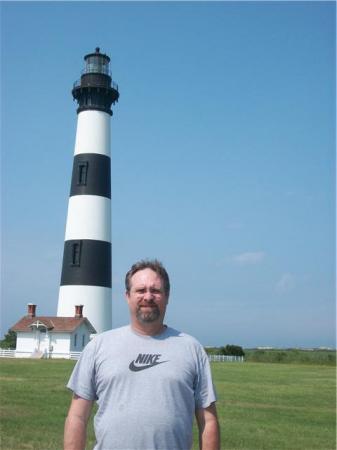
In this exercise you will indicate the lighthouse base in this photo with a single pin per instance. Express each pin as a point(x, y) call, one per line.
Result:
point(96, 301)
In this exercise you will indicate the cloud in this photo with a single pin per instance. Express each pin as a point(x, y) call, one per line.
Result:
point(286, 283)
point(249, 258)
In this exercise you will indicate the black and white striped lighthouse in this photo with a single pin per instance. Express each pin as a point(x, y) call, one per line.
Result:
point(86, 268)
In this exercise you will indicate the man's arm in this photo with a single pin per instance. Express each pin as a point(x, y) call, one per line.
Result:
point(209, 431)
point(75, 430)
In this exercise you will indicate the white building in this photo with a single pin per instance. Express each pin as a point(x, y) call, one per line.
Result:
point(51, 337)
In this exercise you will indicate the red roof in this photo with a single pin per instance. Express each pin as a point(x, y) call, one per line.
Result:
point(54, 324)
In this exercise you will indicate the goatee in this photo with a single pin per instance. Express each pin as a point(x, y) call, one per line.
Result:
point(148, 316)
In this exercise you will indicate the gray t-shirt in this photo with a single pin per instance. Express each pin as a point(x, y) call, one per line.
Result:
point(147, 388)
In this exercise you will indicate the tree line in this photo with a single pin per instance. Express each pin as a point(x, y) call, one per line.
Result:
point(228, 350)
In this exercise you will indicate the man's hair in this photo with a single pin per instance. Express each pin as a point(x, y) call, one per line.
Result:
point(154, 265)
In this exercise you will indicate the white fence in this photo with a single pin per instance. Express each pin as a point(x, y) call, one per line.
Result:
point(6, 353)
point(225, 358)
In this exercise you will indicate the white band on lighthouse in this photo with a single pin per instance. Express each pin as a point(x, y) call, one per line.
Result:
point(89, 217)
point(96, 299)
point(93, 133)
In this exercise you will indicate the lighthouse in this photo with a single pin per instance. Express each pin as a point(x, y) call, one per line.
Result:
point(86, 267)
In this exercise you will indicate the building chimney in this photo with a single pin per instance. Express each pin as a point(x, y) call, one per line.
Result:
point(31, 310)
point(78, 311)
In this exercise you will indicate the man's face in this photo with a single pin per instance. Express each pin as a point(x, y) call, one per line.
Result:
point(147, 300)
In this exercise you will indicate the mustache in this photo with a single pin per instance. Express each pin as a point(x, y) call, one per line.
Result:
point(148, 303)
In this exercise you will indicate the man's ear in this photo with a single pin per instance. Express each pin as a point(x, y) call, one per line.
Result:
point(127, 296)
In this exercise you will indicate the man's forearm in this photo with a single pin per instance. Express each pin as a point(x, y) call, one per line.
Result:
point(209, 430)
point(75, 433)
point(209, 436)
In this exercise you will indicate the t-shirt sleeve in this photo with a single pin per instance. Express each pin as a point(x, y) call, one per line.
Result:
point(82, 379)
point(204, 389)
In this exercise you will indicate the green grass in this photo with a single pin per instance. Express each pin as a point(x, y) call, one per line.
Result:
point(34, 403)
point(261, 406)
point(290, 356)
point(276, 406)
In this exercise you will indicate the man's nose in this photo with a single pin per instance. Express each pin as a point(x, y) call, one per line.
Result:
point(148, 295)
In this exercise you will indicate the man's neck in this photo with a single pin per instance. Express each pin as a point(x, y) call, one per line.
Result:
point(148, 329)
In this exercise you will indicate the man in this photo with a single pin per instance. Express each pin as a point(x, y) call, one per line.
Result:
point(148, 379)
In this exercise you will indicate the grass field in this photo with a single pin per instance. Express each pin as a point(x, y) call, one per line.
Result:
point(261, 406)
point(290, 356)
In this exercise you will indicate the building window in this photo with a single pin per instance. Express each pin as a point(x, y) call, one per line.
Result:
point(83, 340)
point(76, 253)
point(82, 173)
point(75, 340)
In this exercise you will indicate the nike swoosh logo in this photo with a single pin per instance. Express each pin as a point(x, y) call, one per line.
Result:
point(139, 368)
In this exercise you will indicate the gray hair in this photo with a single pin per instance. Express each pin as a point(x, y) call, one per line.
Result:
point(154, 265)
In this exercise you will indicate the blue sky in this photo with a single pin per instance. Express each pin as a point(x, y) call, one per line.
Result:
point(223, 159)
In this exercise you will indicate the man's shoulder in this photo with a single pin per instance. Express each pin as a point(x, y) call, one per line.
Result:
point(114, 333)
point(184, 337)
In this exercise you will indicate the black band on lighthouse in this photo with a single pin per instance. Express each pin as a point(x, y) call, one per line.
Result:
point(91, 175)
point(86, 262)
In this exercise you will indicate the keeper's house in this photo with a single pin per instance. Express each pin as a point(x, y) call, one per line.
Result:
point(51, 337)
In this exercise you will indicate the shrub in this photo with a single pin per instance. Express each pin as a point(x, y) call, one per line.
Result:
point(232, 350)
point(9, 341)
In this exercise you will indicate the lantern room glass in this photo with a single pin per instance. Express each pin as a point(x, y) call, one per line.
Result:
point(97, 64)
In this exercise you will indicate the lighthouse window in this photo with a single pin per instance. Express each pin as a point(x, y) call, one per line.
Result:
point(76, 254)
point(82, 173)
